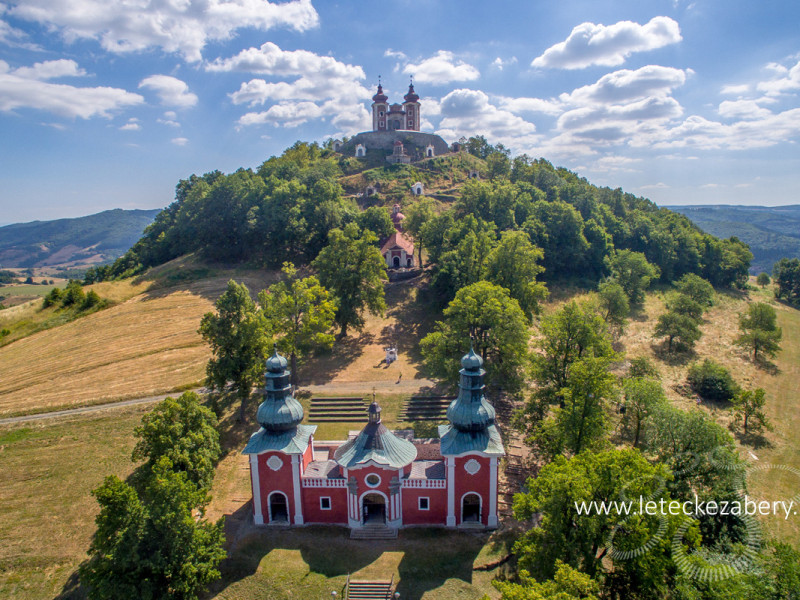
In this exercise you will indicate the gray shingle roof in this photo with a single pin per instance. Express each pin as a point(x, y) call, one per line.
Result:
point(292, 441)
point(456, 441)
point(378, 444)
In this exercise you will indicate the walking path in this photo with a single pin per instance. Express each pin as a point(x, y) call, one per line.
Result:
point(410, 386)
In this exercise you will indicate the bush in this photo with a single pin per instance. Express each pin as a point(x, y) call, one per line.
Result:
point(73, 294)
point(91, 299)
point(4, 333)
point(54, 297)
point(712, 381)
point(763, 280)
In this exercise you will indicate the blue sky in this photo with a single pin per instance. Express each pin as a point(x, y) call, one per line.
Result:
point(108, 103)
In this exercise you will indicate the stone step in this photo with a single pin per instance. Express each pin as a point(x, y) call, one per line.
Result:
point(339, 399)
point(373, 533)
point(338, 409)
point(369, 590)
point(338, 419)
point(403, 418)
point(338, 405)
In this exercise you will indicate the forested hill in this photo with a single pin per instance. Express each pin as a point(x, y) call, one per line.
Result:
point(98, 238)
point(772, 232)
point(284, 210)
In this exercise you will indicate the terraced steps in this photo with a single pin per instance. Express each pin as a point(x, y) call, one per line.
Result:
point(425, 408)
point(373, 532)
point(369, 590)
point(344, 409)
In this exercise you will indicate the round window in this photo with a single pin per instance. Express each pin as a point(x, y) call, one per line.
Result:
point(373, 480)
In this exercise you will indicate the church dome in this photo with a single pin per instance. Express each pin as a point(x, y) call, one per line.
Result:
point(380, 96)
point(276, 362)
point(377, 444)
point(411, 96)
point(471, 361)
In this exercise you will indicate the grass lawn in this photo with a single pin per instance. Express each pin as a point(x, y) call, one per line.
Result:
point(426, 564)
point(47, 470)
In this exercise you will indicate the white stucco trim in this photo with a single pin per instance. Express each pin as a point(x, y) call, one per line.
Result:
point(492, 519)
point(298, 504)
point(258, 515)
point(451, 472)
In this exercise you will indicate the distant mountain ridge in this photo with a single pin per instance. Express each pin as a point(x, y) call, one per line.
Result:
point(95, 239)
point(772, 232)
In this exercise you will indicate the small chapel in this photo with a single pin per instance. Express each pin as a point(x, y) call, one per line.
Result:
point(376, 477)
point(398, 250)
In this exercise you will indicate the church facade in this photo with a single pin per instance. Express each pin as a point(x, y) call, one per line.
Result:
point(376, 477)
point(394, 117)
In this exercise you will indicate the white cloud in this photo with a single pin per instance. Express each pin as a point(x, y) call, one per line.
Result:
point(323, 88)
point(742, 109)
point(616, 163)
point(441, 68)
point(788, 81)
point(170, 90)
point(624, 85)
point(131, 125)
point(655, 186)
point(498, 63)
point(179, 141)
point(395, 54)
point(11, 36)
point(182, 26)
point(735, 90)
point(469, 112)
point(289, 114)
point(26, 87)
point(590, 44)
point(535, 105)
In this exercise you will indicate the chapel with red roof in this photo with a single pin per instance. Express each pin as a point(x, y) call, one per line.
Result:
point(398, 250)
point(377, 477)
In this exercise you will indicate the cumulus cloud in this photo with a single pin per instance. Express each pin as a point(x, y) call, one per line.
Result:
point(28, 87)
point(534, 105)
point(788, 81)
point(170, 90)
point(608, 45)
point(468, 112)
point(615, 163)
point(182, 26)
point(735, 90)
point(131, 125)
point(11, 36)
point(498, 63)
point(742, 109)
point(308, 86)
point(441, 68)
point(624, 85)
point(179, 141)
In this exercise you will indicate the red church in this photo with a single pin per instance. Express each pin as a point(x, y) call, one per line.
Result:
point(377, 477)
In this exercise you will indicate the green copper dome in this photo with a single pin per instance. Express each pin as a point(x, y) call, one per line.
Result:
point(470, 411)
point(279, 411)
point(377, 444)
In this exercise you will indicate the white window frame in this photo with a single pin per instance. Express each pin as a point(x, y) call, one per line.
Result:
point(330, 504)
point(427, 501)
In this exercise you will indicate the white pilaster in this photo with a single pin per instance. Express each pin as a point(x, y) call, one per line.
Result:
point(298, 504)
point(451, 477)
point(258, 516)
point(492, 519)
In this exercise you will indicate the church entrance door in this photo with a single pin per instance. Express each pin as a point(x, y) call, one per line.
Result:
point(396, 261)
point(374, 510)
point(278, 508)
point(471, 509)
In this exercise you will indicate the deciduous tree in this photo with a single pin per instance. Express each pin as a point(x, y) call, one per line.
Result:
point(352, 268)
point(238, 338)
point(632, 271)
point(760, 331)
point(514, 265)
point(302, 312)
point(680, 330)
point(748, 410)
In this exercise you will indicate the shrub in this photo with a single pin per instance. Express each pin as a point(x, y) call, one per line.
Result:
point(54, 297)
point(91, 299)
point(4, 333)
point(763, 280)
point(73, 294)
point(712, 381)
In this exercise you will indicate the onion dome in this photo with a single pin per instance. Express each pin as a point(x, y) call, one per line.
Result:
point(380, 96)
point(377, 444)
point(397, 216)
point(279, 411)
point(470, 411)
point(411, 96)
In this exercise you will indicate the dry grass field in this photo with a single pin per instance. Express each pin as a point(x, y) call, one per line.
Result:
point(144, 346)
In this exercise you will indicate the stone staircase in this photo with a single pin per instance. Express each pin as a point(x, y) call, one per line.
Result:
point(373, 532)
point(369, 590)
point(344, 409)
point(425, 408)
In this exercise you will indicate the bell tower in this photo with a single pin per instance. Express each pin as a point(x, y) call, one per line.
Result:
point(380, 107)
point(411, 108)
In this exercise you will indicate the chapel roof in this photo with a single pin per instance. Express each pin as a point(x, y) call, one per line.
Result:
point(398, 240)
point(377, 444)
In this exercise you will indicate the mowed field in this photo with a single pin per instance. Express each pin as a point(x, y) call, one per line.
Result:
point(144, 346)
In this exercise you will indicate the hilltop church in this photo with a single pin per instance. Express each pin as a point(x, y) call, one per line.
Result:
point(395, 132)
point(377, 478)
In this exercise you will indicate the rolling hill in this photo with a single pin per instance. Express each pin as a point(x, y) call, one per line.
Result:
point(772, 232)
point(83, 241)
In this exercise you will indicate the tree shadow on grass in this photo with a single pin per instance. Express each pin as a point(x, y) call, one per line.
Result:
point(767, 365)
point(430, 557)
point(326, 366)
point(754, 440)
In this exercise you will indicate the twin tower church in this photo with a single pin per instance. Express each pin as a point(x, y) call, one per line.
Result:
point(377, 477)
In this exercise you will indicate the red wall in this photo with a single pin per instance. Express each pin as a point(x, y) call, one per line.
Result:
point(280, 480)
point(435, 515)
point(308, 455)
point(478, 483)
point(312, 512)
